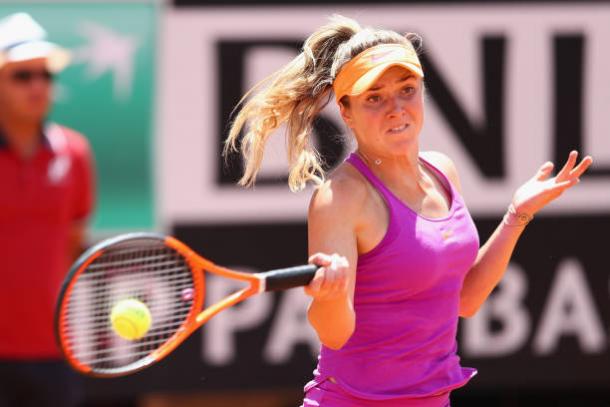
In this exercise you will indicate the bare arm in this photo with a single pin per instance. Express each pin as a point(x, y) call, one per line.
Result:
point(488, 268)
point(331, 229)
point(493, 257)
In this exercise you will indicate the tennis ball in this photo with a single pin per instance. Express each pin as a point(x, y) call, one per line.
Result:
point(130, 319)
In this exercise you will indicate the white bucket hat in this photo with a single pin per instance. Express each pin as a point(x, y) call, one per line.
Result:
point(22, 39)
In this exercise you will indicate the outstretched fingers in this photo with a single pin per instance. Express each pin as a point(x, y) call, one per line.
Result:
point(568, 166)
point(581, 167)
point(542, 188)
point(544, 171)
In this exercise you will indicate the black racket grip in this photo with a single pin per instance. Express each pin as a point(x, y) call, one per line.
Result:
point(283, 279)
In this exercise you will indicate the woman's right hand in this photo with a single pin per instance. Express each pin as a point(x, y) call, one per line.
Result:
point(331, 280)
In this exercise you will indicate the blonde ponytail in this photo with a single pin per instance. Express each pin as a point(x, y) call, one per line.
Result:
point(295, 95)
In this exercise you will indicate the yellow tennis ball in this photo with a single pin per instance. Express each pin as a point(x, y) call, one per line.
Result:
point(130, 319)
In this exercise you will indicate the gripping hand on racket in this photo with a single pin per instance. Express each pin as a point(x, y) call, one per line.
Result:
point(331, 311)
point(330, 281)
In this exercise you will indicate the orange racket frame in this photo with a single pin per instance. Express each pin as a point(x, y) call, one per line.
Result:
point(273, 280)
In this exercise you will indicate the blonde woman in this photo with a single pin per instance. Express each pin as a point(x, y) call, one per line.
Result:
point(399, 253)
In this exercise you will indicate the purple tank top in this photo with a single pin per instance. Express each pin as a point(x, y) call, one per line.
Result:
point(406, 303)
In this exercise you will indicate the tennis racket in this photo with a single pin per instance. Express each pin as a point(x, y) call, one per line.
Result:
point(160, 272)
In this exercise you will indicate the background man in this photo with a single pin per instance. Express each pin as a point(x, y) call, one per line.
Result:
point(46, 196)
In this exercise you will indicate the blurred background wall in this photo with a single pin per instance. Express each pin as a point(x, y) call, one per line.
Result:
point(510, 85)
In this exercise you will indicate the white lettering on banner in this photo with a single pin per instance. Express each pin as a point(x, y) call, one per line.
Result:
point(290, 328)
point(219, 346)
point(570, 310)
point(507, 306)
point(189, 112)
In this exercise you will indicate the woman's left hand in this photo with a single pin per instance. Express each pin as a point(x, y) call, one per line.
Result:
point(541, 189)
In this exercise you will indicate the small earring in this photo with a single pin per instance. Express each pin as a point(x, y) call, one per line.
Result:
point(378, 161)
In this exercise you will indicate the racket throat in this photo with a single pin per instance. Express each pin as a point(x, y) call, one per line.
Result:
point(227, 302)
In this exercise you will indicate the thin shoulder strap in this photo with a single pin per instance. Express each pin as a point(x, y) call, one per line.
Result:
point(444, 179)
point(357, 162)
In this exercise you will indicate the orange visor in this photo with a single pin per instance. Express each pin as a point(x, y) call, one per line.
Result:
point(362, 71)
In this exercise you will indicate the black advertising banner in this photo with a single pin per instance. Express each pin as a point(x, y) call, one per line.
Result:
point(547, 324)
point(548, 319)
point(551, 311)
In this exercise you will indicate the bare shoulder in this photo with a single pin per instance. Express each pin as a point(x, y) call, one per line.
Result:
point(341, 196)
point(445, 164)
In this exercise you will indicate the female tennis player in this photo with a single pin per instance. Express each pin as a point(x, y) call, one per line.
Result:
point(399, 251)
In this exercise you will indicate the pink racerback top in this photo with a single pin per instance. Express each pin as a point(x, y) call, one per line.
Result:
point(406, 303)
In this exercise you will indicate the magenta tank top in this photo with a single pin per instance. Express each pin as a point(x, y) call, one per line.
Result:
point(406, 303)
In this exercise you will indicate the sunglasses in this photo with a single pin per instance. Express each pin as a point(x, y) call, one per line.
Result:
point(26, 76)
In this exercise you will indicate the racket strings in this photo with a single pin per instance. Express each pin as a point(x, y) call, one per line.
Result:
point(143, 269)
